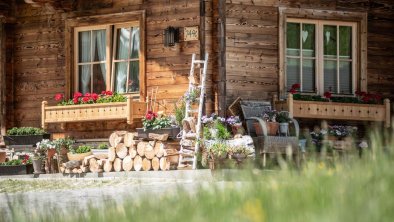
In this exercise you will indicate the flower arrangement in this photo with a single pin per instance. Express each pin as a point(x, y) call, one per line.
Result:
point(233, 120)
point(275, 116)
point(16, 162)
point(215, 127)
point(341, 131)
point(90, 98)
point(155, 121)
point(192, 95)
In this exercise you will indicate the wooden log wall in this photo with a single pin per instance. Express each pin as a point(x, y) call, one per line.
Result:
point(252, 44)
point(38, 56)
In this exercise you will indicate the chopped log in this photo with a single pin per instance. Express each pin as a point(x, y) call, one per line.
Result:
point(93, 165)
point(137, 163)
point(84, 169)
point(128, 139)
point(100, 163)
point(85, 161)
point(75, 170)
point(159, 137)
point(117, 165)
point(149, 153)
point(121, 150)
point(159, 149)
point(141, 148)
point(169, 165)
point(146, 164)
point(72, 164)
point(132, 152)
point(111, 154)
point(67, 170)
point(151, 144)
point(116, 137)
point(101, 156)
point(127, 163)
point(62, 169)
point(79, 171)
point(107, 165)
point(163, 163)
point(155, 164)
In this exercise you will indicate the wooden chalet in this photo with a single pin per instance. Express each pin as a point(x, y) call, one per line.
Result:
point(257, 49)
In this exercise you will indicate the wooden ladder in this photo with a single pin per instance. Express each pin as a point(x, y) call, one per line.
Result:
point(190, 142)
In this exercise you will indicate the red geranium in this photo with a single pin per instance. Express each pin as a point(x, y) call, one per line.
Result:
point(108, 93)
point(292, 91)
point(75, 100)
point(87, 94)
point(327, 95)
point(296, 86)
point(85, 99)
point(59, 97)
point(150, 115)
point(77, 95)
point(94, 96)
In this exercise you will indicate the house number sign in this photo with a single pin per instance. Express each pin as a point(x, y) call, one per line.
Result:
point(190, 33)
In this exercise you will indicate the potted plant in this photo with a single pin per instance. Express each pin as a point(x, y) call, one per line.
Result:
point(215, 128)
point(239, 152)
point(283, 119)
point(236, 126)
point(63, 145)
point(157, 123)
point(271, 123)
point(38, 159)
point(16, 166)
point(79, 153)
point(25, 136)
point(101, 148)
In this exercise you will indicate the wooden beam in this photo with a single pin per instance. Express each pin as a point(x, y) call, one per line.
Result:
point(222, 106)
point(2, 79)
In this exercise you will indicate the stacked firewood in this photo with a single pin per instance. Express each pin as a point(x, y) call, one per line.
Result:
point(125, 153)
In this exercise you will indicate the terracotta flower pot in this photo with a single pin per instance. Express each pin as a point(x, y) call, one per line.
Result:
point(237, 129)
point(3, 156)
point(272, 128)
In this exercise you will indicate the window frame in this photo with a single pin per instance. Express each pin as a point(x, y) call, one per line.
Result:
point(103, 20)
point(114, 60)
point(319, 54)
point(359, 18)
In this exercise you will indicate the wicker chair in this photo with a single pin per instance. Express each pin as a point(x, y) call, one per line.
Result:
point(278, 144)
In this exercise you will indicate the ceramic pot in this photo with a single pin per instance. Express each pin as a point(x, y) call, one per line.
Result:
point(284, 128)
point(37, 166)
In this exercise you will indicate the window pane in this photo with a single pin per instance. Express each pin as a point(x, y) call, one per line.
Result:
point(345, 42)
point(99, 45)
point(135, 42)
point(308, 75)
point(292, 72)
point(330, 76)
point(293, 39)
point(84, 78)
point(84, 46)
point(99, 74)
point(345, 77)
point(123, 43)
point(330, 41)
point(308, 40)
point(120, 77)
point(134, 83)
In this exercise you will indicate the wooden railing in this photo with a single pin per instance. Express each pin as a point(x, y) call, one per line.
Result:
point(129, 111)
point(336, 110)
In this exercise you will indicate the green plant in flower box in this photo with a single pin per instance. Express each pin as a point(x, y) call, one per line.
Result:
point(81, 149)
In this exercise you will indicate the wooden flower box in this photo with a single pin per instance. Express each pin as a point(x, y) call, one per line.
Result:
point(130, 111)
point(336, 110)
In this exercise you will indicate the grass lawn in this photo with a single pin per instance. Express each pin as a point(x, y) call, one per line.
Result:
point(355, 190)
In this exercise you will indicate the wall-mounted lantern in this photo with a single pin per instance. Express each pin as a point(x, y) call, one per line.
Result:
point(171, 36)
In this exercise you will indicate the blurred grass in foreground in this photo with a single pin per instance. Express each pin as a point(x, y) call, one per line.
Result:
point(359, 189)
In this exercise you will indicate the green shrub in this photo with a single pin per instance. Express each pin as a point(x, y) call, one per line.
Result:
point(81, 149)
point(25, 131)
point(180, 113)
point(102, 146)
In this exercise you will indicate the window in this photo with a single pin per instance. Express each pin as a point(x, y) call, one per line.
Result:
point(321, 56)
point(93, 71)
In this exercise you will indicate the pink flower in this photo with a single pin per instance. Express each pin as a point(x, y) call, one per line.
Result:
point(108, 93)
point(75, 100)
point(77, 95)
point(59, 97)
point(150, 115)
point(94, 96)
point(85, 99)
point(87, 94)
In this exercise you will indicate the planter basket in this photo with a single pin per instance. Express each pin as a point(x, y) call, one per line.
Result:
point(13, 170)
point(25, 140)
point(78, 156)
point(172, 132)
